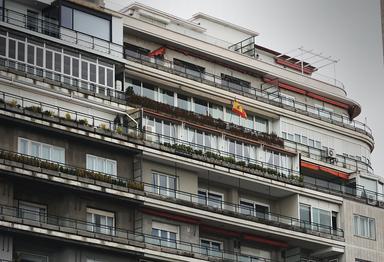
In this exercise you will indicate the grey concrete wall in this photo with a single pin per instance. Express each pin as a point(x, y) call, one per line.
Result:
point(64, 252)
point(358, 247)
point(73, 204)
point(75, 149)
point(186, 180)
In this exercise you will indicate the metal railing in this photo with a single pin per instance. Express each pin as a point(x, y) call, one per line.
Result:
point(112, 233)
point(247, 47)
point(213, 204)
point(249, 91)
point(18, 104)
point(110, 94)
point(216, 205)
point(51, 28)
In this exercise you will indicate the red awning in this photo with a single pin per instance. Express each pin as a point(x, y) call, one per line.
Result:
point(327, 170)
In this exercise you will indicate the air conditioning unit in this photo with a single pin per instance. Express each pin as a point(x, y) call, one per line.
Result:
point(331, 153)
point(149, 133)
point(381, 203)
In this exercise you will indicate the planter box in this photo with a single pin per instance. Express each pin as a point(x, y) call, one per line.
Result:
point(33, 114)
point(85, 180)
point(103, 131)
point(86, 127)
point(13, 163)
point(119, 136)
point(103, 184)
point(50, 172)
point(50, 118)
point(68, 122)
point(14, 109)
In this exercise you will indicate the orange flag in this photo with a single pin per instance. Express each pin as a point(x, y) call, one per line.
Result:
point(238, 109)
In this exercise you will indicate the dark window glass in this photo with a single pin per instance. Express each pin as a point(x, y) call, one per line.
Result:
point(12, 48)
point(66, 17)
point(48, 59)
point(21, 51)
point(75, 67)
point(39, 57)
point(31, 54)
point(109, 78)
point(67, 65)
point(84, 70)
point(189, 68)
point(57, 62)
point(92, 72)
point(305, 213)
point(101, 75)
point(32, 20)
point(2, 45)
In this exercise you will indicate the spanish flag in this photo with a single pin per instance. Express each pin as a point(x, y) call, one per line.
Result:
point(238, 109)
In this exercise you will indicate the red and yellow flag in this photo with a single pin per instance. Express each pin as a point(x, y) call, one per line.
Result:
point(238, 109)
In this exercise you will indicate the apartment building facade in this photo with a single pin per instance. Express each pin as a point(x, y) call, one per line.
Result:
point(119, 143)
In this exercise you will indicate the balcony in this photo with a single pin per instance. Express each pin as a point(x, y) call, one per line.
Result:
point(107, 128)
point(14, 216)
point(113, 95)
point(51, 28)
point(66, 171)
point(252, 92)
point(237, 210)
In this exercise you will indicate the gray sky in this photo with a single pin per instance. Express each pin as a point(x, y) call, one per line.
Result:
point(349, 30)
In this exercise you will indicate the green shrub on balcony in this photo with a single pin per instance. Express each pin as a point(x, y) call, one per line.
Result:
point(34, 109)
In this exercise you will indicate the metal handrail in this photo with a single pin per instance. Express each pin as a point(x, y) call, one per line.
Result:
point(51, 27)
point(318, 184)
point(94, 89)
point(256, 93)
point(239, 209)
point(44, 220)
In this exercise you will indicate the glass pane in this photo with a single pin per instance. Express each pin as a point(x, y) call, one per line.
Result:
point(75, 67)
point(46, 152)
point(92, 73)
point(101, 75)
point(246, 208)
point(84, 70)
point(168, 97)
point(31, 54)
point(305, 213)
point(23, 147)
point(90, 162)
point(231, 147)
point(12, 49)
point(21, 52)
point(200, 107)
point(2, 45)
point(183, 102)
point(67, 65)
point(35, 149)
point(39, 57)
point(155, 232)
point(149, 91)
point(199, 138)
point(261, 124)
point(57, 62)
point(66, 17)
point(100, 27)
point(110, 77)
point(48, 59)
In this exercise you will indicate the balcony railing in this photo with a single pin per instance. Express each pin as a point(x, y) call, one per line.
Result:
point(110, 94)
point(106, 127)
point(238, 210)
point(84, 228)
point(252, 92)
point(219, 206)
point(51, 28)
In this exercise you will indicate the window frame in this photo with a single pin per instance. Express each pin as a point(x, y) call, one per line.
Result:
point(110, 230)
point(356, 231)
point(40, 153)
point(207, 198)
point(157, 187)
point(256, 203)
point(101, 158)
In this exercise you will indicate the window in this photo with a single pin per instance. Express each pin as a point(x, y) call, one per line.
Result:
point(189, 68)
point(41, 150)
point(234, 82)
point(79, 21)
point(305, 213)
point(164, 184)
point(167, 97)
point(322, 220)
point(183, 102)
point(297, 138)
point(102, 165)
point(254, 209)
point(279, 160)
point(364, 226)
point(165, 234)
point(212, 199)
point(318, 144)
point(31, 211)
point(28, 257)
point(100, 221)
point(211, 247)
point(201, 107)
